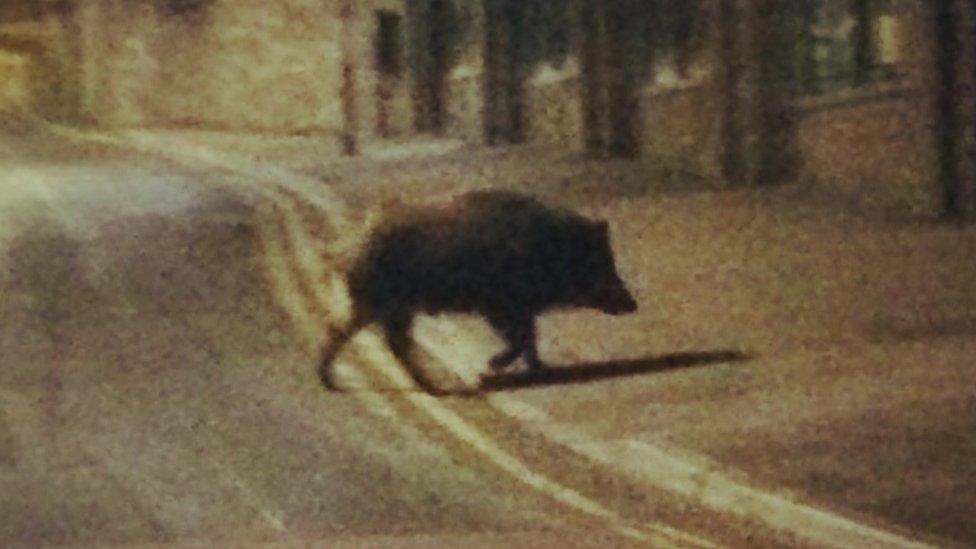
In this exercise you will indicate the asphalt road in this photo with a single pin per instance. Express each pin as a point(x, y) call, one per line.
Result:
point(159, 344)
point(161, 324)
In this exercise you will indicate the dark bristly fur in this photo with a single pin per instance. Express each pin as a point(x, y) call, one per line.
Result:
point(502, 255)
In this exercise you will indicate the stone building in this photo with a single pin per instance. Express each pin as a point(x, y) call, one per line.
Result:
point(242, 65)
point(870, 96)
point(852, 94)
point(30, 71)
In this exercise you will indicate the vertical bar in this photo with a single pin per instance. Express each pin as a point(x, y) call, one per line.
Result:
point(947, 124)
point(730, 81)
point(864, 55)
point(515, 69)
point(418, 16)
point(774, 61)
point(591, 93)
point(382, 48)
point(807, 74)
point(490, 84)
point(622, 91)
point(348, 90)
point(438, 57)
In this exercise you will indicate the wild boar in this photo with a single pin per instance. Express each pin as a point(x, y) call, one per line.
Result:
point(503, 255)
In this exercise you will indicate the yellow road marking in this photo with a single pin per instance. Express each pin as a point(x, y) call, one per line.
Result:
point(467, 433)
point(308, 329)
point(670, 469)
point(507, 406)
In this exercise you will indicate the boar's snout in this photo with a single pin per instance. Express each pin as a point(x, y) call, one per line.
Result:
point(623, 304)
point(617, 301)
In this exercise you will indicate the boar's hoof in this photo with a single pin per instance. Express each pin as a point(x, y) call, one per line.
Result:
point(329, 386)
point(503, 360)
point(434, 391)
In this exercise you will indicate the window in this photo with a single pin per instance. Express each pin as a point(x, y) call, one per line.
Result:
point(842, 44)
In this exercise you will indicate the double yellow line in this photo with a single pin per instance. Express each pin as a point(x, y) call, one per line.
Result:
point(295, 268)
point(295, 271)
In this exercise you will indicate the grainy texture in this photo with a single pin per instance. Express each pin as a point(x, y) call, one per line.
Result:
point(505, 256)
point(195, 193)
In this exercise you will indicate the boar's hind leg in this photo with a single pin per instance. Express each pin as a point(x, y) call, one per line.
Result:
point(518, 331)
point(531, 350)
point(396, 328)
point(340, 336)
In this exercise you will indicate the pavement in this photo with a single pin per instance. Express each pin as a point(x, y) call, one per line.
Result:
point(848, 422)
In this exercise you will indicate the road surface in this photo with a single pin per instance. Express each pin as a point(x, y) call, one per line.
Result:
point(162, 314)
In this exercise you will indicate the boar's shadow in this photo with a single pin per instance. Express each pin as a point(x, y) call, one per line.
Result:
point(595, 371)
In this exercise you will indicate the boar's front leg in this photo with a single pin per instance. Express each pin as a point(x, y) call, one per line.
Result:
point(396, 328)
point(518, 331)
point(531, 351)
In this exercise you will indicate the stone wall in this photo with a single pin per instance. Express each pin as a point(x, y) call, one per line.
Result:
point(553, 108)
point(256, 65)
point(14, 81)
point(32, 70)
point(681, 125)
point(876, 147)
point(233, 64)
point(875, 142)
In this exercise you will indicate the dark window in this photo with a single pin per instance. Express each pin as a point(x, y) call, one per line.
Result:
point(388, 42)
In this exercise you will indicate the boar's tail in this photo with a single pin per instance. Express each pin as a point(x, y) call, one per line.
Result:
point(338, 337)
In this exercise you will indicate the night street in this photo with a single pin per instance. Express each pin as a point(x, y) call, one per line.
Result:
point(159, 379)
point(488, 273)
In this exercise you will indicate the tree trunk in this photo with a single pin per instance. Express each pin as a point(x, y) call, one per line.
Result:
point(418, 16)
point(347, 92)
point(515, 71)
point(622, 77)
point(593, 105)
point(730, 82)
point(807, 79)
point(864, 59)
point(440, 65)
point(491, 85)
point(776, 155)
point(430, 19)
point(947, 116)
point(504, 75)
